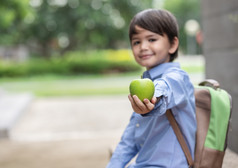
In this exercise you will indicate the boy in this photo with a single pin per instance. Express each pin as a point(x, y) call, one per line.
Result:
point(149, 135)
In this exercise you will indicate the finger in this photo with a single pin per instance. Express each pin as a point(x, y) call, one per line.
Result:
point(139, 103)
point(153, 100)
point(150, 106)
point(129, 97)
point(133, 105)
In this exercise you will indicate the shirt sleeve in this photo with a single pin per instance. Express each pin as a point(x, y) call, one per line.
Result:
point(126, 148)
point(171, 88)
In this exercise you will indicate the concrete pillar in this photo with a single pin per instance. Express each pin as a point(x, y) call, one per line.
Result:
point(220, 48)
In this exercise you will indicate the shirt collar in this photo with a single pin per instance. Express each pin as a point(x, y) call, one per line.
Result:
point(159, 70)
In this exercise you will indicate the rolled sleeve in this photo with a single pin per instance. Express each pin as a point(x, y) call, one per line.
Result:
point(170, 89)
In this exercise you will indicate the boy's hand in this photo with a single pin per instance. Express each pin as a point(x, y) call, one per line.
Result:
point(142, 107)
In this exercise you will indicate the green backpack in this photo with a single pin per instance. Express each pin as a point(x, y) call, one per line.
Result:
point(213, 112)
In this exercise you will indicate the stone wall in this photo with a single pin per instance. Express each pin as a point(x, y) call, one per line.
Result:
point(220, 48)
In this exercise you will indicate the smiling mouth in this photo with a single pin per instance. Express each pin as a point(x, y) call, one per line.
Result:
point(146, 56)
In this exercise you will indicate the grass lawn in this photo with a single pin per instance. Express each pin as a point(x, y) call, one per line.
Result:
point(55, 85)
point(82, 85)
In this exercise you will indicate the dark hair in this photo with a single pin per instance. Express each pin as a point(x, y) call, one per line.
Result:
point(158, 21)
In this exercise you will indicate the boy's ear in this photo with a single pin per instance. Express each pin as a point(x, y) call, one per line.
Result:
point(174, 45)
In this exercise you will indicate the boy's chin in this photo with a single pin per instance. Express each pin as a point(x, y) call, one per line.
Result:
point(149, 66)
point(145, 64)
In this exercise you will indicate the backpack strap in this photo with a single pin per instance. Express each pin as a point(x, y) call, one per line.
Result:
point(211, 83)
point(180, 137)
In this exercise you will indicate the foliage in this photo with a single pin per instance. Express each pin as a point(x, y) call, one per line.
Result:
point(13, 13)
point(59, 26)
point(183, 11)
point(51, 27)
point(88, 62)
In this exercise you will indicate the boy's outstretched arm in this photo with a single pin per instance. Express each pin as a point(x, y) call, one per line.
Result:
point(142, 107)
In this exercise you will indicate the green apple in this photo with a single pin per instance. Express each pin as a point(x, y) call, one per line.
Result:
point(142, 88)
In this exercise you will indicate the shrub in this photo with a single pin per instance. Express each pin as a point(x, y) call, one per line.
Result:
point(76, 62)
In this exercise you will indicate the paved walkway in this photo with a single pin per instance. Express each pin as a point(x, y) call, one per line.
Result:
point(70, 132)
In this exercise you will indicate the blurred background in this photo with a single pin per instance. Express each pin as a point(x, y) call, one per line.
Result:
point(65, 68)
point(76, 37)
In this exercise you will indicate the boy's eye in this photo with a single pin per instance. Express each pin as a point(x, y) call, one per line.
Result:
point(136, 43)
point(152, 40)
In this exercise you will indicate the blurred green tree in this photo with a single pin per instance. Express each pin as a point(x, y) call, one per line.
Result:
point(12, 25)
point(183, 11)
point(81, 24)
point(56, 26)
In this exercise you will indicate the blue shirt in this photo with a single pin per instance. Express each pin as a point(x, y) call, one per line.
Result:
point(151, 136)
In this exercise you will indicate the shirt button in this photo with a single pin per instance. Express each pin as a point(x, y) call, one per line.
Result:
point(137, 125)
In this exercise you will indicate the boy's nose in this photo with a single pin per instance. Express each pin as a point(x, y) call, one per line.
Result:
point(144, 45)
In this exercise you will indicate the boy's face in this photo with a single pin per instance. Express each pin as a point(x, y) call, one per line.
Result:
point(151, 49)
